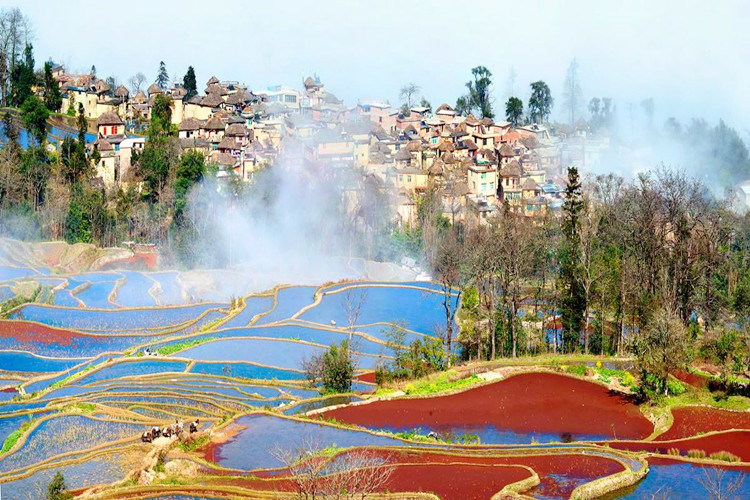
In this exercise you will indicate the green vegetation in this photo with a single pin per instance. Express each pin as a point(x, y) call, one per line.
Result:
point(20, 299)
point(696, 454)
point(71, 377)
point(445, 381)
point(160, 461)
point(57, 490)
point(334, 368)
point(191, 444)
point(14, 436)
point(417, 434)
point(181, 346)
point(724, 456)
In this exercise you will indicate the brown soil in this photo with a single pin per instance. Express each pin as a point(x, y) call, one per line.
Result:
point(691, 420)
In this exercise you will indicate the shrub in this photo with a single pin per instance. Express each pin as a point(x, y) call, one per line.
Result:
point(724, 456)
point(696, 454)
point(576, 369)
point(159, 466)
point(675, 387)
point(674, 452)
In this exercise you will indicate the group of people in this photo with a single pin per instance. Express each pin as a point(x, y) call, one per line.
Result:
point(174, 429)
point(149, 352)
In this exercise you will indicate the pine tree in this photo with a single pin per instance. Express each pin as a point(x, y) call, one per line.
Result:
point(56, 489)
point(189, 83)
point(572, 298)
point(52, 95)
point(162, 79)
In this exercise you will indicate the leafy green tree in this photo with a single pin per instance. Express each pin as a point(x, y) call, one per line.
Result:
point(154, 166)
point(572, 294)
point(23, 78)
point(35, 170)
point(337, 368)
point(514, 110)
point(660, 347)
point(52, 95)
point(479, 91)
point(78, 221)
point(162, 78)
point(540, 102)
point(190, 171)
point(57, 490)
point(35, 114)
point(189, 83)
point(462, 106)
point(161, 117)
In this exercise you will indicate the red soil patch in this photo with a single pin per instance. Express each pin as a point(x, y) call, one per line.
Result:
point(577, 468)
point(23, 332)
point(455, 481)
point(529, 402)
point(690, 420)
point(366, 377)
point(735, 442)
point(691, 378)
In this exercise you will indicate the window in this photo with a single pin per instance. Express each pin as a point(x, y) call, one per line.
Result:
point(484, 175)
point(530, 208)
point(492, 186)
point(484, 186)
point(290, 98)
point(408, 178)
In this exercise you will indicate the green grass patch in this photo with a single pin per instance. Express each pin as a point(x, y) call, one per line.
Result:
point(181, 346)
point(441, 383)
point(14, 436)
point(67, 379)
point(194, 444)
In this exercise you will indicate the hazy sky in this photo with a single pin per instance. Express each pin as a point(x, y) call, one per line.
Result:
point(690, 56)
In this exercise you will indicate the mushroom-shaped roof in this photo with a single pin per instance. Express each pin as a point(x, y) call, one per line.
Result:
point(512, 169)
point(214, 124)
point(122, 91)
point(248, 110)
point(236, 130)
point(226, 160)
point(228, 143)
point(443, 107)
point(189, 124)
point(140, 97)
point(449, 159)
point(460, 189)
point(212, 80)
point(529, 184)
point(216, 88)
point(468, 144)
point(178, 93)
point(506, 151)
point(403, 154)
point(101, 144)
point(471, 120)
point(415, 146)
point(238, 98)
point(101, 86)
point(196, 99)
point(154, 89)
point(109, 118)
point(211, 100)
point(446, 146)
point(437, 167)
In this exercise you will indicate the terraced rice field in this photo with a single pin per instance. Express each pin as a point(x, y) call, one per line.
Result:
point(79, 384)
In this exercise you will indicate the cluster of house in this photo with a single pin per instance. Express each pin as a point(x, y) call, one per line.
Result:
point(474, 165)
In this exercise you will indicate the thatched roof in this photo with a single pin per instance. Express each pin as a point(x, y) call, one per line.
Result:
point(109, 118)
point(101, 144)
point(211, 100)
point(214, 124)
point(225, 160)
point(403, 154)
point(415, 146)
point(238, 98)
point(446, 147)
point(236, 130)
point(449, 159)
point(471, 120)
point(212, 80)
point(189, 124)
point(154, 89)
point(140, 97)
point(437, 167)
point(228, 143)
point(506, 151)
point(529, 184)
point(444, 107)
point(122, 91)
point(101, 86)
point(512, 169)
point(468, 144)
point(216, 88)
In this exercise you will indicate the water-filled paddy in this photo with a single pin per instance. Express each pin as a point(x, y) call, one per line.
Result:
point(257, 435)
point(131, 368)
point(246, 370)
point(134, 292)
point(26, 362)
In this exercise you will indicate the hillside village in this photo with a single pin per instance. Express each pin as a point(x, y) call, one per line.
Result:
point(474, 164)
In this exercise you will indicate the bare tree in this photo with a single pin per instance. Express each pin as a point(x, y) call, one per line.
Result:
point(589, 270)
point(572, 91)
point(408, 95)
point(352, 303)
point(353, 474)
point(718, 486)
point(447, 265)
point(136, 81)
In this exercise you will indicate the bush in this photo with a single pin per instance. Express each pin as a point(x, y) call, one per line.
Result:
point(724, 456)
point(159, 466)
point(576, 370)
point(696, 454)
point(675, 387)
point(674, 452)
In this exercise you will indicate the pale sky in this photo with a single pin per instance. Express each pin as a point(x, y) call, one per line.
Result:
point(690, 56)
